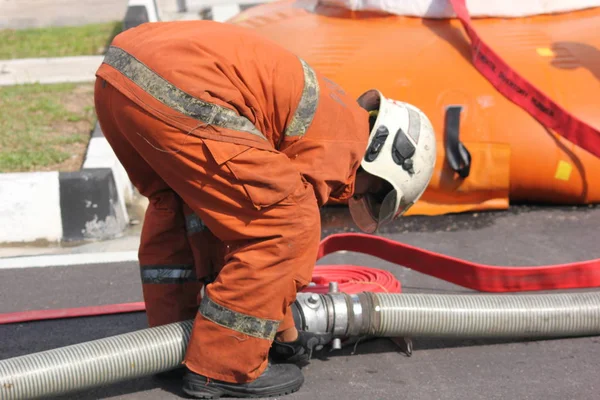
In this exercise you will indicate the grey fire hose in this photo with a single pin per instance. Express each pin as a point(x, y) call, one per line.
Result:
point(149, 351)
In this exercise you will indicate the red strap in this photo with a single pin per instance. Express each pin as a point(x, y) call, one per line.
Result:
point(468, 274)
point(518, 90)
point(43, 315)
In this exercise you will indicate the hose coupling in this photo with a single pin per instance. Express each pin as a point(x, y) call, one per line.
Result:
point(341, 315)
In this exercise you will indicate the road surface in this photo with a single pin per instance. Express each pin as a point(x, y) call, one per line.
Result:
point(558, 369)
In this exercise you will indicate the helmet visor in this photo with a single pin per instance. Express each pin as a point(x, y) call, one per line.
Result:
point(370, 211)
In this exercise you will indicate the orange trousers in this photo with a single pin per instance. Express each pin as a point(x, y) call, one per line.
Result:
point(248, 223)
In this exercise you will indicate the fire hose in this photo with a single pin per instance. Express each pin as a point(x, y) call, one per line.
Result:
point(373, 313)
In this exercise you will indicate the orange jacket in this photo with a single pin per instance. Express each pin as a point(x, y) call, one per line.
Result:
point(235, 68)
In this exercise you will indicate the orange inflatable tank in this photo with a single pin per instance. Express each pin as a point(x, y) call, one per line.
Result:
point(427, 62)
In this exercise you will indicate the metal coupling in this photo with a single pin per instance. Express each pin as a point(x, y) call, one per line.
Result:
point(342, 315)
point(340, 321)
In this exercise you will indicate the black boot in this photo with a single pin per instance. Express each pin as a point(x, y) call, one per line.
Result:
point(276, 380)
point(299, 350)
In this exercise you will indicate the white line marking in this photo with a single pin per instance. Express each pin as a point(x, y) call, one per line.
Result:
point(65, 260)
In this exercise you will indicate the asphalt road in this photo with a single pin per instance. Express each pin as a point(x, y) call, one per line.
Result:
point(438, 369)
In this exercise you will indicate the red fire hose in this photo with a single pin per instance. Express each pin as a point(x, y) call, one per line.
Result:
point(42, 315)
point(355, 279)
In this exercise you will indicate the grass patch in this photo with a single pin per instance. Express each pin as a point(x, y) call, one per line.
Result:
point(58, 41)
point(45, 127)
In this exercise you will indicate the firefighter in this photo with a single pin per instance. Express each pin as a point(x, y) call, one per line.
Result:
point(237, 143)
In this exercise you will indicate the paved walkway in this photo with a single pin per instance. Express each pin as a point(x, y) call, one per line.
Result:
point(49, 70)
point(19, 14)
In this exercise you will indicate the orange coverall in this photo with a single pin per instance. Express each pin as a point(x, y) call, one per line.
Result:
point(236, 142)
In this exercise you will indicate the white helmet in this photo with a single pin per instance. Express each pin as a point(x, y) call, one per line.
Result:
point(402, 152)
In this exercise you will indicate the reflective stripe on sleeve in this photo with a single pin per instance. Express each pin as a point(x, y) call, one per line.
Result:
point(307, 107)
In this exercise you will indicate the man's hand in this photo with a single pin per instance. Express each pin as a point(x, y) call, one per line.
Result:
point(300, 349)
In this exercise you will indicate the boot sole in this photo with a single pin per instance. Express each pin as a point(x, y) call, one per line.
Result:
point(216, 392)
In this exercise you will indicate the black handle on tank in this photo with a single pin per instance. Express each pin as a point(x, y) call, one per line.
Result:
point(457, 154)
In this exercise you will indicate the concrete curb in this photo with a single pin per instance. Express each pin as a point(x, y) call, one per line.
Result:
point(101, 155)
point(91, 207)
point(60, 206)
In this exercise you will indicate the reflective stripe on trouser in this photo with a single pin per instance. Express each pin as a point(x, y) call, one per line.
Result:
point(271, 249)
